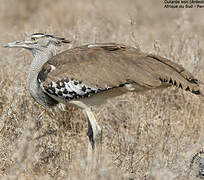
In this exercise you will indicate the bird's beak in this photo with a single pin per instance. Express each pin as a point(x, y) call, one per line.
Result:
point(23, 44)
point(12, 44)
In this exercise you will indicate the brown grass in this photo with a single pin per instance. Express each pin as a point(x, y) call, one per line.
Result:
point(145, 136)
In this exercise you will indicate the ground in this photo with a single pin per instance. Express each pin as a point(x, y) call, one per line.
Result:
point(151, 135)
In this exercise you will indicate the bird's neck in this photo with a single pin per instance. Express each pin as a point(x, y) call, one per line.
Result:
point(40, 57)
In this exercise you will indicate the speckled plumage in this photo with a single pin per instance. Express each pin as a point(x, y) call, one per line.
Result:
point(70, 89)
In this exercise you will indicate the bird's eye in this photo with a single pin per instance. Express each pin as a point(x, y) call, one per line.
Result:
point(33, 38)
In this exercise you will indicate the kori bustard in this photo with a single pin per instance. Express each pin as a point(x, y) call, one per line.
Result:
point(87, 75)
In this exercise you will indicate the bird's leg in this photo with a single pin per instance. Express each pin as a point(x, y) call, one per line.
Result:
point(90, 135)
point(94, 130)
point(95, 139)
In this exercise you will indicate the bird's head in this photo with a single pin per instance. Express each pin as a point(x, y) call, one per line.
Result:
point(38, 41)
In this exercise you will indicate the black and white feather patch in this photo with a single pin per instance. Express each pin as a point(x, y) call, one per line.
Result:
point(70, 89)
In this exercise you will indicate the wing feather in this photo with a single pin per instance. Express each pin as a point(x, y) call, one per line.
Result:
point(99, 66)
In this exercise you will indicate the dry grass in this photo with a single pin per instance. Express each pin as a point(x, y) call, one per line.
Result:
point(145, 136)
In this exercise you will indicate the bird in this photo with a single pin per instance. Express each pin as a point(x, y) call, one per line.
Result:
point(88, 75)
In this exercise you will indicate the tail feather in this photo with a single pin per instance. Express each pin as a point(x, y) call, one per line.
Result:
point(171, 73)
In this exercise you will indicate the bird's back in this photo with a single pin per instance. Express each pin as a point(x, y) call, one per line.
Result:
point(92, 69)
